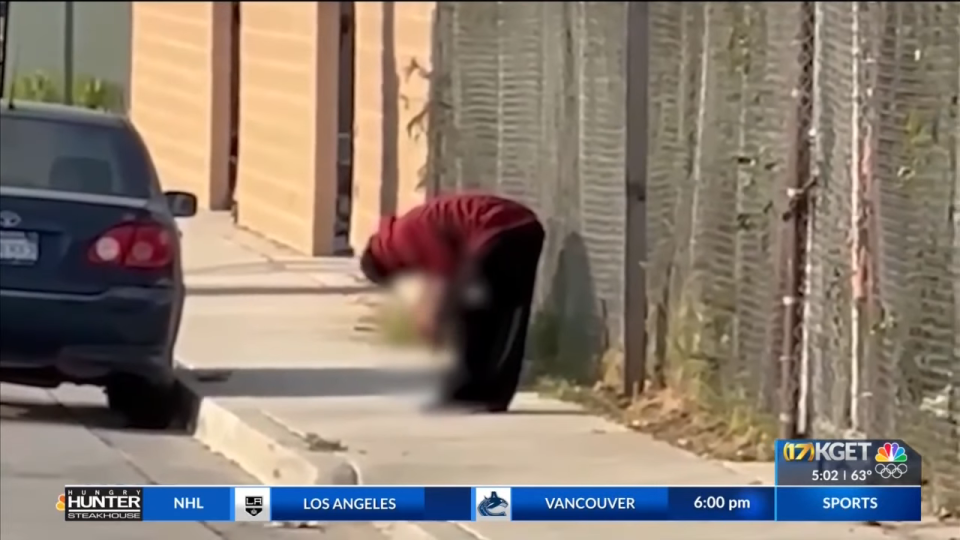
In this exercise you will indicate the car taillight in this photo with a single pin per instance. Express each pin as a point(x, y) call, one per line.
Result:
point(134, 245)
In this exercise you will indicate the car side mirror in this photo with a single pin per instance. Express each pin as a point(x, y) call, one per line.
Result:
point(181, 203)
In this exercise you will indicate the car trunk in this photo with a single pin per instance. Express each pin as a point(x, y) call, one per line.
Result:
point(46, 241)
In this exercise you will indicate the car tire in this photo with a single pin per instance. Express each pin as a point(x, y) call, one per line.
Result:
point(144, 403)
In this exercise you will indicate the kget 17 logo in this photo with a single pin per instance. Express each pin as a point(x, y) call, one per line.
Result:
point(827, 451)
point(889, 452)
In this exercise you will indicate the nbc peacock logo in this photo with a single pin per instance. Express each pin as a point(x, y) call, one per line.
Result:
point(61, 503)
point(891, 453)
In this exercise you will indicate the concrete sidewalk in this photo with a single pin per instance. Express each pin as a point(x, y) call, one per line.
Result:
point(297, 394)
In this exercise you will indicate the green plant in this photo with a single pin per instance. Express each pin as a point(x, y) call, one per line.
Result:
point(98, 94)
point(37, 86)
point(88, 92)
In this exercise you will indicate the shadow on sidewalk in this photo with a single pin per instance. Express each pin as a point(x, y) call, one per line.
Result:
point(91, 416)
point(13, 410)
point(329, 382)
point(326, 382)
point(277, 291)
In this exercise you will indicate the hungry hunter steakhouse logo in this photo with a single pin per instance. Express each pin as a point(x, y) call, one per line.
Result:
point(101, 503)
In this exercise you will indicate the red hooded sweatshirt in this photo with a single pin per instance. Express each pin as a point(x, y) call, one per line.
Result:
point(435, 236)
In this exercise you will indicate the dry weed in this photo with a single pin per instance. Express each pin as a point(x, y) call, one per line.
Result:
point(680, 414)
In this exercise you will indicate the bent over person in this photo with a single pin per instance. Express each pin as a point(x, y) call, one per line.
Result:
point(483, 251)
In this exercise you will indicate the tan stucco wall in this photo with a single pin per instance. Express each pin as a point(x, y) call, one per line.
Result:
point(286, 185)
point(174, 94)
point(387, 158)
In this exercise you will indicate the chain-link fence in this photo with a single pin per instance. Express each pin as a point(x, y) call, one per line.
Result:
point(720, 146)
point(882, 319)
point(529, 100)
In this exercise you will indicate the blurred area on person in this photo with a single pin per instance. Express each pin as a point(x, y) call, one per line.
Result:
point(476, 258)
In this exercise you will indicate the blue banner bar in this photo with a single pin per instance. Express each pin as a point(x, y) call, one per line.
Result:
point(361, 503)
point(544, 503)
point(848, 504)
point(642, 504)
point(526, 503)
point(751, 503)
point(187, 503)
point(588, 503)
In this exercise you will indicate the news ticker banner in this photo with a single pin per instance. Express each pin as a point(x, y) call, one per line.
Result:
point(821, 462)
point(513, 503)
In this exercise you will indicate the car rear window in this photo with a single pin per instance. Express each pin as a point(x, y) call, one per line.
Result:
point(72, 156)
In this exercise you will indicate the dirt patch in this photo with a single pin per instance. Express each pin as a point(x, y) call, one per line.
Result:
point(675, 414)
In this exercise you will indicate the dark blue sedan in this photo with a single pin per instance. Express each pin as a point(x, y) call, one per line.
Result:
point(91, 285)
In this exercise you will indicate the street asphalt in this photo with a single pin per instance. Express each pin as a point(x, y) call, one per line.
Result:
point(66, 436)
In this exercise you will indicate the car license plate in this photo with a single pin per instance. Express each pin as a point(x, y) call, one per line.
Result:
point(19, 247)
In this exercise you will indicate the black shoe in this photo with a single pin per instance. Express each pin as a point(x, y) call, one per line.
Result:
point(467, 407)
point(447, 406)
point(497, 408)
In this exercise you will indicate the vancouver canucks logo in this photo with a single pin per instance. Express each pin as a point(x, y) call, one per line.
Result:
point(493, 505)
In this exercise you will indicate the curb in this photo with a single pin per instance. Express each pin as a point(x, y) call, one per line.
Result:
point(259, 446)
point(271, 453)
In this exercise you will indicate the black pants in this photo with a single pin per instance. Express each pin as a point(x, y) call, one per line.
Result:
point(490, 311)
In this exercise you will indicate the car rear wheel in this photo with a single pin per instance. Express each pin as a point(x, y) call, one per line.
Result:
point(144, 403)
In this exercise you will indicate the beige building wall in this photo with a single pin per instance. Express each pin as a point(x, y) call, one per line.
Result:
point(391, 39)
point(286, 185)
point(177, 88)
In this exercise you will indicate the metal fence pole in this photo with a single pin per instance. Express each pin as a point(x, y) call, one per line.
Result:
point(68, 22)
point(635, 271)
point(4, 43)
point(793, 247)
